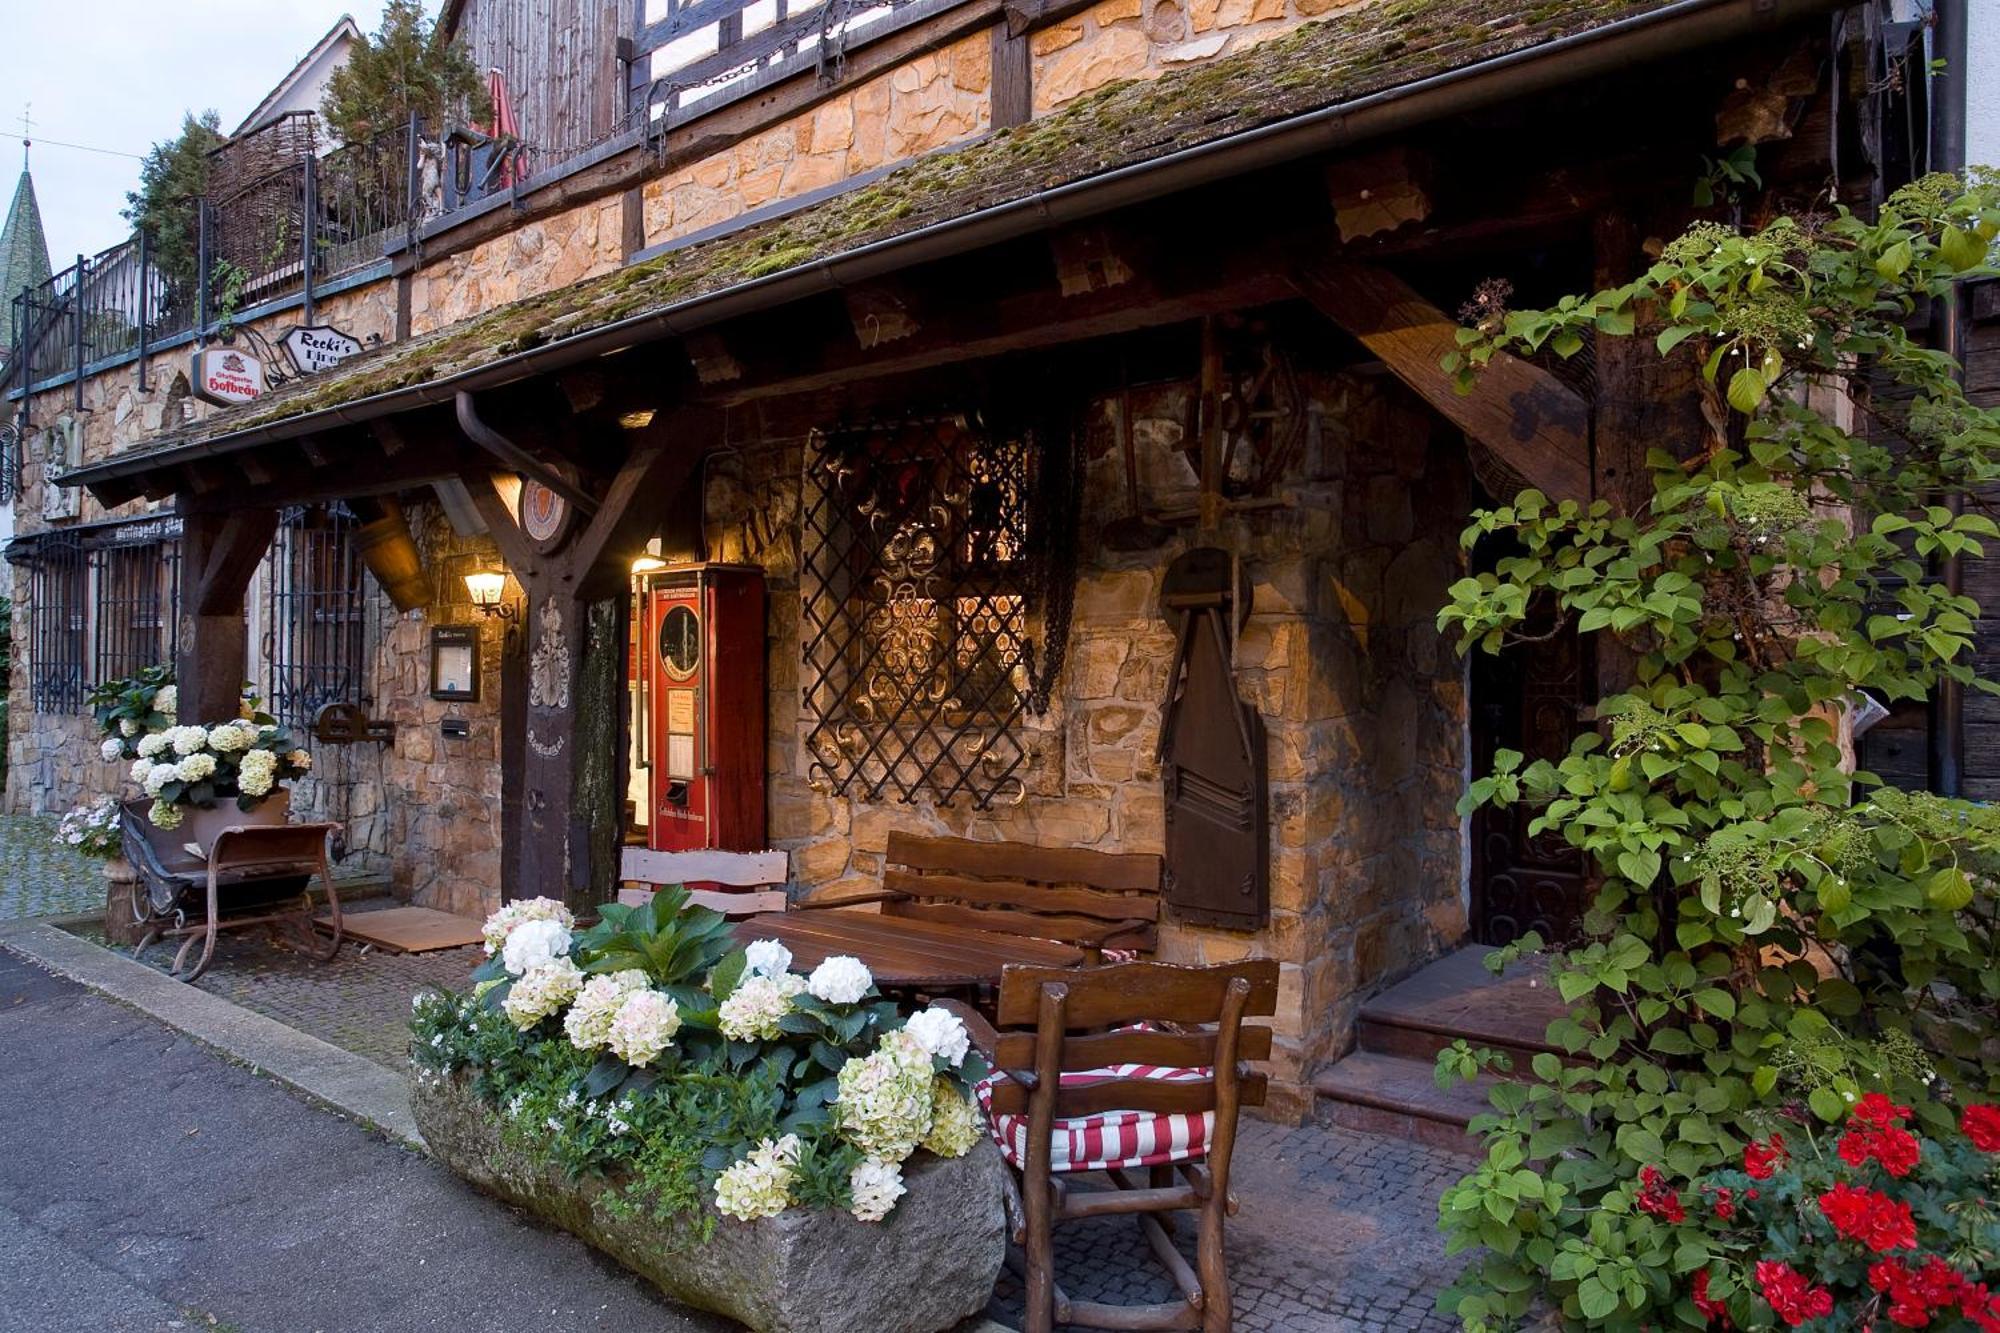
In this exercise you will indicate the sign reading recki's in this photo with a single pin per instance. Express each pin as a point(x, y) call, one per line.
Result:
point(227, 376)
point(317, 347)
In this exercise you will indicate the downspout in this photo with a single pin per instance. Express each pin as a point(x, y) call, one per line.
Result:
point(1946, 739)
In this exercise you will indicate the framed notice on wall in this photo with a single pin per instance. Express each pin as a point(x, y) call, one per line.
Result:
point(455, 662)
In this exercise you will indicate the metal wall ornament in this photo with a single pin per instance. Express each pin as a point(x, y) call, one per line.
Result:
point(939, 564)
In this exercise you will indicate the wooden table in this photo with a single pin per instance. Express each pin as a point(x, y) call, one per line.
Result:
point(902, 952)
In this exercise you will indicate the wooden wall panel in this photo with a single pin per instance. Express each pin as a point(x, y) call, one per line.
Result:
point(560, 59)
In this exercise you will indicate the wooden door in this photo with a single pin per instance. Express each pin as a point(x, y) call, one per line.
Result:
point(1529, 698)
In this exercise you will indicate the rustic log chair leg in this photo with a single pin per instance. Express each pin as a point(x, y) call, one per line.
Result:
point(209, 932)
point(1212, 1261)
point(1036, 1194)
point(1160, 1178)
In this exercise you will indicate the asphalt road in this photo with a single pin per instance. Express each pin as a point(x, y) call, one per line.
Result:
point(146, 1184)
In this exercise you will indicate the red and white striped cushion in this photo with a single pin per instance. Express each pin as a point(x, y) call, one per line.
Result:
point(1108, 1138)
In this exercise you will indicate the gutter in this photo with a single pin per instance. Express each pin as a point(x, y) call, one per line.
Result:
point(1668, 31)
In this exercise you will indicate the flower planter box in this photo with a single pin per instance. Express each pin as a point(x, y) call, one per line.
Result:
point(925, 1268)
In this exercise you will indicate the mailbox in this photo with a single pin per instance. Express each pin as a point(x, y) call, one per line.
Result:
point(703, 706)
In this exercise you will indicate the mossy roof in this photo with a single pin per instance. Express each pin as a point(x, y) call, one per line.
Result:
point(1364, 49)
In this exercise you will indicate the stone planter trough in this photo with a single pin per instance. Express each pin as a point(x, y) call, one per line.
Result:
point(925, 1268)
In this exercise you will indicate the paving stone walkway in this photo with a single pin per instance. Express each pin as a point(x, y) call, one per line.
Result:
point(39, 878)
point(1338, 1228)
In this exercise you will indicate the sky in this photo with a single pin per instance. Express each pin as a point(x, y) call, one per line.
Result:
point(119, 75)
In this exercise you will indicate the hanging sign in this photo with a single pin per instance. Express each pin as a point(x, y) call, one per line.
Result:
point(227, 376)
point(316, 347)
point(544, 515)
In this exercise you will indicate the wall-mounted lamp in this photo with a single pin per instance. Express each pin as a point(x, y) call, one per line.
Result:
point(647, 564)
point(488, 588)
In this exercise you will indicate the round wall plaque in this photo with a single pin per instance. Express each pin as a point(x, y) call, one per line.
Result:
point(544, 514)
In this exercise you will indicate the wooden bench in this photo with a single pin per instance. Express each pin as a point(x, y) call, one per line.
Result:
point(755, 880)
point(1093, 900)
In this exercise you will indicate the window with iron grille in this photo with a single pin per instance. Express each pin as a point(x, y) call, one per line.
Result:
point(58, 615)
point(939, 564)
point(314, 614)
point(138, 604)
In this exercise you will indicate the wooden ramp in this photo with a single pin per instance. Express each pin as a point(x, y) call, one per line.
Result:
point(408, 929)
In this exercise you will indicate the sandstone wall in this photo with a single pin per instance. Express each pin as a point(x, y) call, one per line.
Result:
point(1140, 39)
point(934, 99)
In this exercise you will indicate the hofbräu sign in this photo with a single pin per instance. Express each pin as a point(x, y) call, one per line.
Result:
point(316, 347)
point(227, 376)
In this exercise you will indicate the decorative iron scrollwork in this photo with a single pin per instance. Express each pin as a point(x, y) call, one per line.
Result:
point(936, 548)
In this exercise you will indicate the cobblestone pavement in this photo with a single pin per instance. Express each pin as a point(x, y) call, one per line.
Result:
point(38, 878)
point(1337, 1233)
point(360, 1001)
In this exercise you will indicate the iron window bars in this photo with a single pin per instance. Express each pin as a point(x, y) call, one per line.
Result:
point(934, 549)
point(315, 614)
point(58, 614)
point(137, 574)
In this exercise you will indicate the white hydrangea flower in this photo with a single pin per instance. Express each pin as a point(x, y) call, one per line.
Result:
point(229, 738)
point(141, 769)
point(499, 925)
point(544, 989)
point(760, 1185)
point(186, 740)
point(151, 746)
point(195, 767)
point(167, 700)
point(840, 980)
point(939, 1031)
point(767, 958)
point(644, 1026)
point(534, 942)
point(753, 1009)
point(588, 1021)
point(875, 1186)
point(955, 1125)
point(300, 760)
point(127, 727)
point(112, 749)
point(163, 815)
point(161, 775)
point(883, 1105)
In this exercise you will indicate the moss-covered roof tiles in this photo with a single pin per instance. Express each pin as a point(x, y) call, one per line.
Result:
point(1368, 48)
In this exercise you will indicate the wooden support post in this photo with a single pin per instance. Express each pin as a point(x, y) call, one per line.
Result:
point(219, 552)
point(563, 841)
point(1518, 410)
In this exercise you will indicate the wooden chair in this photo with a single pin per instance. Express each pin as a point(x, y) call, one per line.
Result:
point(1095, 900)
point(755, 880)
point(251, 875)
point(1069, 1095)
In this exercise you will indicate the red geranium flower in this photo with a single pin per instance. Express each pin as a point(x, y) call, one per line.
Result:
point(1896, 1149)
point(1716, 1312)
point(1656, 1198)
point(1981, 1124)
point(1876, 1220)
point(1761, 1159)
point(1915, 1294)
point(1724, 1204)
point(1877, 1110)
point(1787, 1291)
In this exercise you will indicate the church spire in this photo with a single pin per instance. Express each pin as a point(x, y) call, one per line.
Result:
point(24, 252)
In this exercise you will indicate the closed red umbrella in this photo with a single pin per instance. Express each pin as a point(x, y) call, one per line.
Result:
point(504, 126)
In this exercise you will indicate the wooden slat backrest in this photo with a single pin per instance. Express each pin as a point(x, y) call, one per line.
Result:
point(1072, 894)
point(1067, 1005)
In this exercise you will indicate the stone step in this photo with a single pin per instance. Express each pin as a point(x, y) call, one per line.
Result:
point(1396, 1095)
point(1457, 998)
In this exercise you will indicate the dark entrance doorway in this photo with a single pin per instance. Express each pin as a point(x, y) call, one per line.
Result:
point(1528, 698)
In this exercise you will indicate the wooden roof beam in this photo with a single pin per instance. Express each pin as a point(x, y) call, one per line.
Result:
point(1533, 421)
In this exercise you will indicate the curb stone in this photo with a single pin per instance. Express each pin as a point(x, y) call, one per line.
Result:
point(351, 1084)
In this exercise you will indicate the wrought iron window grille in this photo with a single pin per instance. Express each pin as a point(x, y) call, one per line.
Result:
point(58, 619)
point(315, 603)
point(939, 566)
point(138, 587)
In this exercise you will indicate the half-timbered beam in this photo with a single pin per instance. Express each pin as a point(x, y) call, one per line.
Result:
point(1534, 422)
point(219, 552)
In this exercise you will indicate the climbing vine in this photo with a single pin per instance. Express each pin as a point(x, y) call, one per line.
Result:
point(1776, 936)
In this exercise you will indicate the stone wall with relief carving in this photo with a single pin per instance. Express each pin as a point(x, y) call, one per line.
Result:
point(1348, 556)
